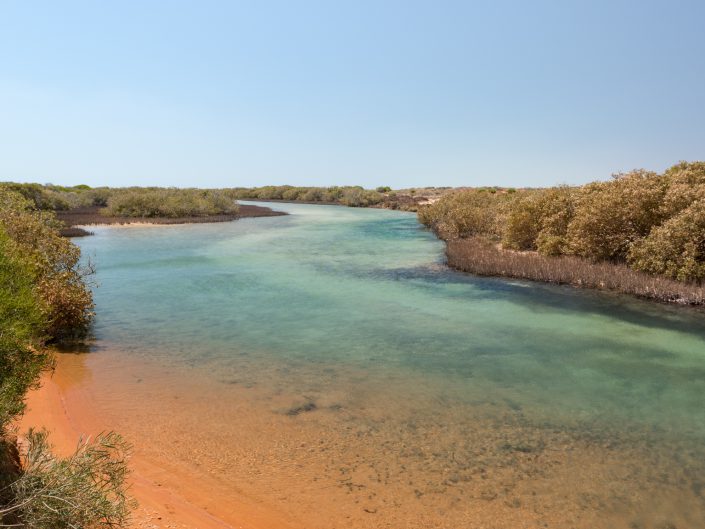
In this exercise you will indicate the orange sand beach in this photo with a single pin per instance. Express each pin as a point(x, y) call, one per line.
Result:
point(169, 496)
point(229, 452)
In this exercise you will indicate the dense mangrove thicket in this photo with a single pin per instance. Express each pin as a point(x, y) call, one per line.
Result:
point(354, 196)
point(53, 262)
point(146, 202)
point(652, 223)
point(175, 202)
point(169, 203)
point(44, 298)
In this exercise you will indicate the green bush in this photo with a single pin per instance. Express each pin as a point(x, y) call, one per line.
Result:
point(359, 197)
point(24, 320)
point(54, 262)
point(43, 297)
point(170, 203)
point(42, 197)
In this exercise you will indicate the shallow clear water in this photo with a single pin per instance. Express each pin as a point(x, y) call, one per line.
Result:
point(328, 297)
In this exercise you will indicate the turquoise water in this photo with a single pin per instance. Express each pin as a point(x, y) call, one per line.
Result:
point(365, 291)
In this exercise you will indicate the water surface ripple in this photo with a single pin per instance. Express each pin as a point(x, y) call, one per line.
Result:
point(424, 397)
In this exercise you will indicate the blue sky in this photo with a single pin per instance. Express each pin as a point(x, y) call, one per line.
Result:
point(225, 93)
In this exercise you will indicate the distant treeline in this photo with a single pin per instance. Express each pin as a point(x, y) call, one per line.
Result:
point(44, 299)
point(131, 201)
point(354, 196)
point(176, 202)
point(653, 223)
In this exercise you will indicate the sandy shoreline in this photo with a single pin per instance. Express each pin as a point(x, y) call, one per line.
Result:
point(77, 222)
point(169, 496)
point(368, 457)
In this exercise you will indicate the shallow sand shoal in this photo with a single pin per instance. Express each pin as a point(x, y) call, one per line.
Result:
point(168, 496)
point(265, 444)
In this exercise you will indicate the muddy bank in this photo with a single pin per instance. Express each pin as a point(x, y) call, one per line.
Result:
point(74, 218)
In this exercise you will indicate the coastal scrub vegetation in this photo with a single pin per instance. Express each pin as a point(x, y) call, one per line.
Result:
point(84, 205)
point(642, 221)
point(482, 257)
point(155, 202)
point(148, 202)
point(179, 202)
point(53, 263)
point(44, 299)
point(169, 203)
point(353, 196)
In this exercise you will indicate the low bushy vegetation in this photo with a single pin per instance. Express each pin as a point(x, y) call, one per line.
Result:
point(159, 202)
point(648, 222)
point(44, 298)
point(60, 198)
point(353, 196)
point(52, 262)
point(216, 204)
point(467, 213)
point(24, 316)
point(169, 203)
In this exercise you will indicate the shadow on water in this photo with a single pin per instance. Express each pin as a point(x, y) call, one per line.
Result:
point(344, 330)
point(543, 297)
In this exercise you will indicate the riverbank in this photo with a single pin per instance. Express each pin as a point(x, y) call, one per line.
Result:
point(170, 495)
point(254, 465)
point(402, 200)
point(480, 257)
point(420, 398)
point(74, 219)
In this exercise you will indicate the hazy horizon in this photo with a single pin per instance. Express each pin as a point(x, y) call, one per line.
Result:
point(371, 186)
point(399, 94)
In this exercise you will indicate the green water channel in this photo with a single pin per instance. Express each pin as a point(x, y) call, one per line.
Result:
point(328, 287)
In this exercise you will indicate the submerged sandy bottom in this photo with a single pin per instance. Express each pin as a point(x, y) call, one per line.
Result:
point(266, 445)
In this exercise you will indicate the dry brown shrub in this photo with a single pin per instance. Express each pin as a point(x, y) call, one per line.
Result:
point(675, 249)
point(539, 220)
point(467, 213)
point(686, 185)
point(611, 216)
